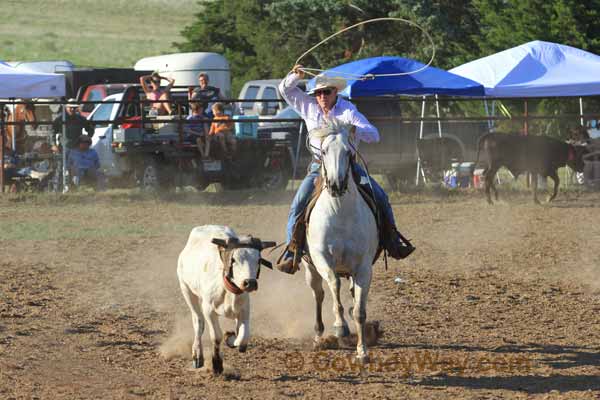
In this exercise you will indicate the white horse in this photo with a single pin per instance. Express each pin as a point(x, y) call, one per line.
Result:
point(341, 238)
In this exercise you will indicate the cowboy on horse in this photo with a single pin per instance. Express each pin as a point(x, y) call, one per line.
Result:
point(320, 106)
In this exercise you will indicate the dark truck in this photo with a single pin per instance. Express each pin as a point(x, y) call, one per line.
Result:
point(156, 153)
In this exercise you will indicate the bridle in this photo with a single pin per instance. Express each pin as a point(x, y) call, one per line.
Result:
point(226, 248)
point(335, 191)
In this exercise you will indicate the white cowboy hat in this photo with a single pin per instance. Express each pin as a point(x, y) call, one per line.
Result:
point(324, 81)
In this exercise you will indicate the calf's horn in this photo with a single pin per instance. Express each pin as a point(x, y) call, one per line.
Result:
point(265, 245)
point(219, 242)
point(265, 263)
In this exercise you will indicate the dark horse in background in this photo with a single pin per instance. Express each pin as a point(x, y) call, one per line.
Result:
point(22, 113)
point(539, 155)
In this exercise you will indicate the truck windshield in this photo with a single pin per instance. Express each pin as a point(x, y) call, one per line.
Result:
point(102, 113)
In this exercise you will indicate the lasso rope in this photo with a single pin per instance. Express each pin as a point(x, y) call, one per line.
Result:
point(369, 76)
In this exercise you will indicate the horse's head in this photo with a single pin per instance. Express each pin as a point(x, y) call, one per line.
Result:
point(336, 154)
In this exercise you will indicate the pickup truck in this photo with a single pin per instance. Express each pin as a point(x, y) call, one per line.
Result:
point(156, 153)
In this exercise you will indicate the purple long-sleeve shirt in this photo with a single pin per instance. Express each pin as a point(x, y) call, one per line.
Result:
point(308, 108)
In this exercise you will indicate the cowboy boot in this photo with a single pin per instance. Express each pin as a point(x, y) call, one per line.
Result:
point(397, 246)
point(287, 262)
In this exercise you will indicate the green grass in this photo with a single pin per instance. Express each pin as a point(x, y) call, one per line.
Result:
point(107, 33)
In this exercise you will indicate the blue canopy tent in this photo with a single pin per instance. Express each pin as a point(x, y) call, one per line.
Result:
point(429, 81)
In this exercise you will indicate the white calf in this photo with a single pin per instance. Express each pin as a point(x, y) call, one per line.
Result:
point(216, 272)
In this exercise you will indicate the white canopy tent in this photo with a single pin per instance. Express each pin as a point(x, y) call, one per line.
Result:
point(25, 84)
point(536, 69)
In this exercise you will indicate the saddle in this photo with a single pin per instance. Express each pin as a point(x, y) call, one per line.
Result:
point(298, 242)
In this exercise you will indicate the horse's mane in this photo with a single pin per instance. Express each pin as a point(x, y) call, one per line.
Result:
point(330, 128)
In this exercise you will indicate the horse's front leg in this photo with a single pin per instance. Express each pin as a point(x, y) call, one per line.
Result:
point(361, 292)
point(315, 281)
point(340, 326)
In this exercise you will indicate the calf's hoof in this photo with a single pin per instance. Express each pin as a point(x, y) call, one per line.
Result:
point(197, 362)
point(230, 339)
point(243, 348)
point(217, 364)
point(341, 331)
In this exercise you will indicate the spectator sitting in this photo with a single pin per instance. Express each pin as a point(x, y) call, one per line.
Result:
point(75, 124)
point(205, 93)
point(154, 93)
point(196, 129)
point(85, 163)
point(223, 131)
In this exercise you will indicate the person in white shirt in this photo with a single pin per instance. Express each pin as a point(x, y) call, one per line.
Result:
point(319, 106)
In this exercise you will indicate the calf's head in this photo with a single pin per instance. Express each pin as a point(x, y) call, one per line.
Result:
point(242, 261)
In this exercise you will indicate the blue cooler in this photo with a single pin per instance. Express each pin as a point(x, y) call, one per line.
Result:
point(245, 130)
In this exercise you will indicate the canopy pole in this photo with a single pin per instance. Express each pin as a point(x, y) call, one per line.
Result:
point(14, 127)
point(2, 129)
point(420, 137)
point(581, 111)
point(64, 149)
point(437, 108)
point(487, 114)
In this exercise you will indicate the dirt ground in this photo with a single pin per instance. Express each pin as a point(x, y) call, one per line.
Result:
point(497, 302)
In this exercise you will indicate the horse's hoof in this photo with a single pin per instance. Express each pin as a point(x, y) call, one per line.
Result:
point(243, 348)
point(363, 360)
point(197, 362)
point(230, 339)
point(341, 331)
point(217, 364)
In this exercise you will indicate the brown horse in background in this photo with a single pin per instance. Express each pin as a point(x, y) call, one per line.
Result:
point(22, 113)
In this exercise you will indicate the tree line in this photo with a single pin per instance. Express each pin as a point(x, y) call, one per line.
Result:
point(263, 38)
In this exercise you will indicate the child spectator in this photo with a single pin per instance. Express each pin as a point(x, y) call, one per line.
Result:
point(222, 129)
point(84, 162)
point(196, 129)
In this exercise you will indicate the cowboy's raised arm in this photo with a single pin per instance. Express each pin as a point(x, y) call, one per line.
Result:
point(365, 131)
point(293, 95)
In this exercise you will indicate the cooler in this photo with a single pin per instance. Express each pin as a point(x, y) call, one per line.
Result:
point(247, 130)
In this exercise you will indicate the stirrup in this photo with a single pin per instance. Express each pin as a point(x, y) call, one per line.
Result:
point(289, 265)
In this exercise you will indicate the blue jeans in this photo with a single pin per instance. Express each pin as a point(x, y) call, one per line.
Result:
point(308, 185)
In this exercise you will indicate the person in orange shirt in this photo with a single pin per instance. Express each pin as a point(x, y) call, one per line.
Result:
point(223, 131)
